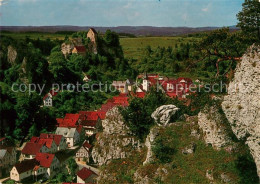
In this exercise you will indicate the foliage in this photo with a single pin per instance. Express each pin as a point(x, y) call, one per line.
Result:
point(163, 151)
point(249, 18)
point(138, 114)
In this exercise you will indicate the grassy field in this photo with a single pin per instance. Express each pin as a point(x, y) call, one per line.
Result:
point(133, 47)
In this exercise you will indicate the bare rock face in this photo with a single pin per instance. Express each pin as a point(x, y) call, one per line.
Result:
point(11, 54)
point(66, 48)
point(115, 141)
point(214, 131)
point(242, 104)
point(162, 114)
point(149, 143)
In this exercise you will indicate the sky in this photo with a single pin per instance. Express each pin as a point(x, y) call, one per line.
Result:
point(160, 13)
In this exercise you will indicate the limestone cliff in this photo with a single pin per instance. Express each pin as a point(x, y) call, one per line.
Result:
point(115, 141)
point(11, 54)
point(242, 104)
point(212, 124)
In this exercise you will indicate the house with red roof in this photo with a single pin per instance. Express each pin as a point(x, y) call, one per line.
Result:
point(48, 162)
point(86, 176)
point(91, 121)
point(71, 135)
point(31, 149)
point(48, 142)
point(48, 98)
point(44, 164)
point(79, 49)
point(83, 153)
point(23, 170)
point(7, 157)
point(70, 120)
point(59, 140)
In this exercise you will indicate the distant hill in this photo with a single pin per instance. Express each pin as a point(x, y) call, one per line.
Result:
point(135, 30)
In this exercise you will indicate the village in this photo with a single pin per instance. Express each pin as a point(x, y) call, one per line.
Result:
point(43, 157)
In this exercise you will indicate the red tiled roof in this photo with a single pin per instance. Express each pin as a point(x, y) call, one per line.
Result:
point(31, 148)
point(86, 145)
point(56, 138)
point(85, 173)
point(47, 142)
point(101, 114)
point(90, 115)
point(45, 159)
point(171, 94)
point(140, 94)
point(80, 49)
point(52, 92)
point(26, 165)
point(89, 123)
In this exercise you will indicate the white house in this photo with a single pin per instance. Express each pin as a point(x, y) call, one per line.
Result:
point(71, 135)
point(83, 153)
point(7, 159)
point(48, 98)
point(44, 164)
point(22, 170)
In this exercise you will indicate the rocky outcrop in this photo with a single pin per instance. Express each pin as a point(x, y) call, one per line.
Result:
point(66, 48)
point(149, 143)
point(215, 133)
point(11, 54)
point(242, 104)
point(163, 114)
point(115, 141)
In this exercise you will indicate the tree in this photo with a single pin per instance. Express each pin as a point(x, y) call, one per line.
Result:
point(222, 45)
point(249, 17)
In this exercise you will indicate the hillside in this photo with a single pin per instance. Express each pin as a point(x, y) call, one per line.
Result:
point(135, 30)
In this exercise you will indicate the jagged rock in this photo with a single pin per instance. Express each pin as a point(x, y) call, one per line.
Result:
point(115, 141)
point(189, 149)
point(214, 131)
point(66, 48)
point(154, 132)
point(118, 126)
point(242, 104)
point(162, 114)
point(11, 54)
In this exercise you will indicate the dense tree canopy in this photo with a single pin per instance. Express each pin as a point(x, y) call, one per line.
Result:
point(249, 18)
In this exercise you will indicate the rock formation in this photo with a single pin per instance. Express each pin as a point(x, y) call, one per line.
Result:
point(211, 122)
point(115, 141)
point(242, 104)
point(163, 114)
point(149, 142)
point(11, 54)
point(66, 48)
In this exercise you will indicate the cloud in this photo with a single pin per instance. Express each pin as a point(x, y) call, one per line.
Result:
point(2, 2)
